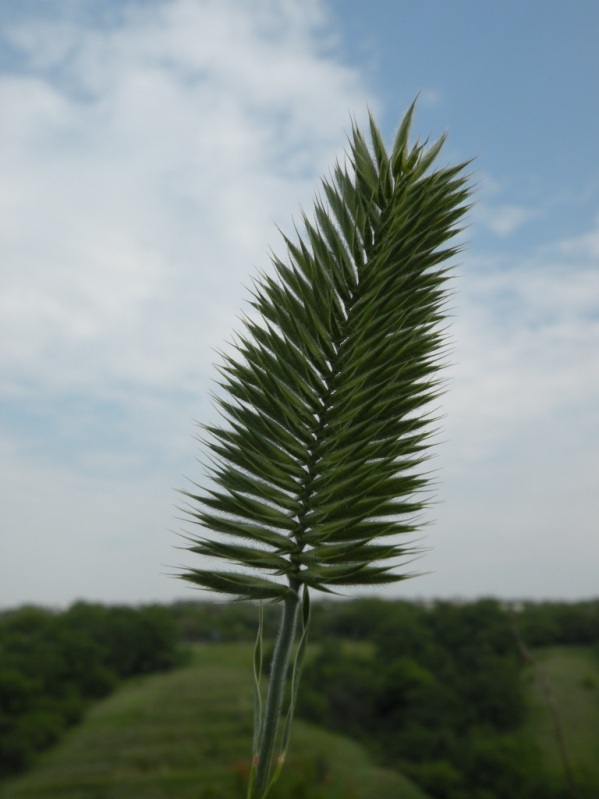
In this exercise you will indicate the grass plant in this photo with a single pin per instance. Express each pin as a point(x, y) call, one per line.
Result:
point(317, 473)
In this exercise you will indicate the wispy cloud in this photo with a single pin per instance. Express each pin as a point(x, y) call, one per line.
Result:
point(146, 158)
point(144, 167)
point(503, 220)
point(521, 463)
point(145, 163)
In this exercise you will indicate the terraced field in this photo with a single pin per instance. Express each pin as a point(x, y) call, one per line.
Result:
point(566, 681)
point(186, 735)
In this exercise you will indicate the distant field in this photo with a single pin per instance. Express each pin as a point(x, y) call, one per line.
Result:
point(186, 735)
point(573, 675)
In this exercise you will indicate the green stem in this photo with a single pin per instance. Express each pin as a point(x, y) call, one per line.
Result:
point(276, 693)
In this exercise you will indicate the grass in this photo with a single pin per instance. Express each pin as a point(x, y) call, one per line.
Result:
point(186, 735)
point(573, 676)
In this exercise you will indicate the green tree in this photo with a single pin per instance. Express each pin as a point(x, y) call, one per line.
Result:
point(319, 466)
point(53, 664)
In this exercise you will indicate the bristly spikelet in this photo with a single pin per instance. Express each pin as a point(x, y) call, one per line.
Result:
point(317, 467)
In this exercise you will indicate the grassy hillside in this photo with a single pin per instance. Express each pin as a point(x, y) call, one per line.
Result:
point(186, 735)
point(573, 676)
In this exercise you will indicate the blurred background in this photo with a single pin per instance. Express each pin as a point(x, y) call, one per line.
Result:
point(148, 152)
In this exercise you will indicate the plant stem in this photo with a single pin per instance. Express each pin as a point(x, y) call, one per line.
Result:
point(551, 702)
point(276, 693)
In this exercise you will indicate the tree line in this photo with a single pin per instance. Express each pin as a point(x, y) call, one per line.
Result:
point(540, 623)
point(439, 692)
point(53, 664)
point(435, 690)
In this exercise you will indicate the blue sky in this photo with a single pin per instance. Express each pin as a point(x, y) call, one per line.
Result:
point(148, 153)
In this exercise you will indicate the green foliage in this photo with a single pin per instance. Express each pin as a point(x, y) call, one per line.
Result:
point(453, 687)
point(204, 622)
point(186, 735)
point(53, 664)
point(442, 697)
point(550, 623)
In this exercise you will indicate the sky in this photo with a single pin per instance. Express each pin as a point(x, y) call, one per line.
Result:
point(150, 152)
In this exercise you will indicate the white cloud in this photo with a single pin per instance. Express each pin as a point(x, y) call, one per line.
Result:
point(143, 167)
point(430, 97)
point(527, 339)
point(504, 220)
point(585, 246)
point(67, 536)
point(519, 479)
